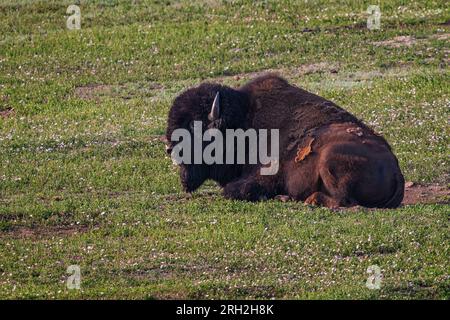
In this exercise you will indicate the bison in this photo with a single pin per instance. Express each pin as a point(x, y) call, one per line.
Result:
point(327, 156)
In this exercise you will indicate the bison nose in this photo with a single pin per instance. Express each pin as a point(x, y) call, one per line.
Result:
point(168, 150)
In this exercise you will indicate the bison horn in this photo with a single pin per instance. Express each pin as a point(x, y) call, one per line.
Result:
point(215, 109)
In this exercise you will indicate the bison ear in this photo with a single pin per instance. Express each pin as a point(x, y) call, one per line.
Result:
point(215, 109)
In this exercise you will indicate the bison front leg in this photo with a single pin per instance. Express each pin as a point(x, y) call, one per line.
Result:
point(250, 189)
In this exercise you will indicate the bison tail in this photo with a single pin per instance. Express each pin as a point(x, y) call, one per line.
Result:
point(397, 197)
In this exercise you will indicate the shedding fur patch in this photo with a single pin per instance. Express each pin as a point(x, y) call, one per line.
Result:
point(302, 153)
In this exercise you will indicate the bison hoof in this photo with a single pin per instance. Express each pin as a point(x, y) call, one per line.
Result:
point(320, 199)
point(282, 198)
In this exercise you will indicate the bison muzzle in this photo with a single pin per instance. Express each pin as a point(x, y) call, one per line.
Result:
point(327, 156)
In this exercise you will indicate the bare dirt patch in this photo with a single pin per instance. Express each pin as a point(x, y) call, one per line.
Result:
point(397, 42)
point(92, 91)
point(408, 41)
point(304, 69)
point(43, 231)
point(440, 36)
point(332, 76)
point(426, 194)
point(321, 67)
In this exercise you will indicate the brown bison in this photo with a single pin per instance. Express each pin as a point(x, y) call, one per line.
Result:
point(327, 156)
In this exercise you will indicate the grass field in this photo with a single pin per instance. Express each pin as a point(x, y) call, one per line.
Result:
point(84, 179)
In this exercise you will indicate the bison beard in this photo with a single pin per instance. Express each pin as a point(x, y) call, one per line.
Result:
point(327, 156)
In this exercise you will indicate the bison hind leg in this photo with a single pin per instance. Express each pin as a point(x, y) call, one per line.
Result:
point(322, 199)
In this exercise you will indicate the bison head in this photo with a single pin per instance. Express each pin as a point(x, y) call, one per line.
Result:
point(216, 107)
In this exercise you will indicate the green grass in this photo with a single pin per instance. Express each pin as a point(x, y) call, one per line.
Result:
point(84, 178)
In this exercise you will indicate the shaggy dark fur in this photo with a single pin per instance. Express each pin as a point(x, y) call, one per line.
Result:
point(349, 164)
